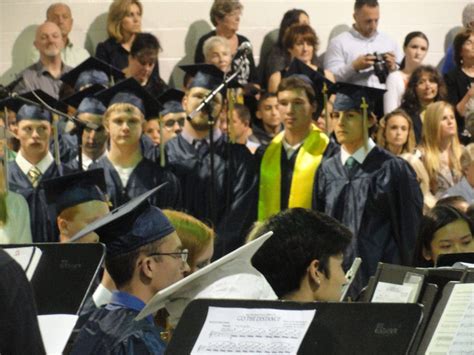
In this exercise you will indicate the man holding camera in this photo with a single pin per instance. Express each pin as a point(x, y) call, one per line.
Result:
point(363, 55)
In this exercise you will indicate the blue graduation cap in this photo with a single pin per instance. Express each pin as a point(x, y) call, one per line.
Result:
point(171, 101)
point(356, 97)
point(130, 226)
point(131, 92)
point(91, 71)
point(73, 189)
point(76, 99)
point(206, 76)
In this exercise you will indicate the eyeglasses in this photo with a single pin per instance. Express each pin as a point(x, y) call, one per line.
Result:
point(183, 255)
point(171, 122)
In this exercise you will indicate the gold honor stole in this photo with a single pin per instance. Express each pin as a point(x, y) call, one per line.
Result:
point(307, 161)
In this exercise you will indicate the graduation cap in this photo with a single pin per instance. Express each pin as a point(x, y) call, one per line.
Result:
point(130, 226)
point(75, 99)
point(320, 84)
point(219, 275)
point(73, 189)
point(206, 76)
point(91, 71)
point(131, 92)
point(359, 98)
point(171, 101)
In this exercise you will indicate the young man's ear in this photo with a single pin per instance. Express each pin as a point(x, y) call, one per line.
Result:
point(314, 274)
point(184, 102)
point(146, 267)
point(62, 226)
point(372, 119)
point(427, 254)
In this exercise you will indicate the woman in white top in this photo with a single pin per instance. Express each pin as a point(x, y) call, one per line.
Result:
point(415, 47)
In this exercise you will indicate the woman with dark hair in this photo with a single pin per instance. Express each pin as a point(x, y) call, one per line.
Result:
point(424, 87)
point(459, 80)
point(415, 48)
point(279, 58)
point(300, 42)
point(443, 230)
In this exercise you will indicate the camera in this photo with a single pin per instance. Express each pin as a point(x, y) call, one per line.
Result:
point(380, 67)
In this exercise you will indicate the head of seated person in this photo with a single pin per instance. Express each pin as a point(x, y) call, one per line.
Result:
point(301, 42)
point(217, 52)
point(443, 230)
point(124, 19)
point(143, 57)
point(196, 237)
point(291, 17)
point(458, 202)
point(302, 261)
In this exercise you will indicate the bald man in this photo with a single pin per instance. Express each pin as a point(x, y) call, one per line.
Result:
point(72, 55)
point(45, 73)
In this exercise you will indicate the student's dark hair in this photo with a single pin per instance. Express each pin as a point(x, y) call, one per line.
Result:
point(243, 113)
point(453, 201)
point(408, 38)
point(290, 17)
point(266, 95)
point(458, 42)
point(122, 267)
point(410, 102)
point(360, 3)
point(431, 222)
point(299, 237)
point(145, 43)
point(296, 83)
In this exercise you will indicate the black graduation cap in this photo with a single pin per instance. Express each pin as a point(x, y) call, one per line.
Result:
point(130, 226)
point(91, 71)
point(131, 92)
point(203, 75)
point(76, 99)
point(73, 189)
point(351, 97)
point(318, 82)
point(171, 101)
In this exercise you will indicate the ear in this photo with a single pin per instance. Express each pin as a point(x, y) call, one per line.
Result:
point(427, 254)
point(258, 114)
point(184, 102)
point(372, 119)
point(63, 226)
point(314, 275)
point(146, 267)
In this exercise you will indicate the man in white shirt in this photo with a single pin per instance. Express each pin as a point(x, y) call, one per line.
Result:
point(350, 55)
point(61, 15)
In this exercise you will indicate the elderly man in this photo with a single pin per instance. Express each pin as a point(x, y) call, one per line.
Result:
point(61, 15)
point(45, 73)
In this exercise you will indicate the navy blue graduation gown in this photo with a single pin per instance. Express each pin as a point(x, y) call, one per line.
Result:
point(43, 223)
point(143, 178)
point(380, 201)
point(235, 188)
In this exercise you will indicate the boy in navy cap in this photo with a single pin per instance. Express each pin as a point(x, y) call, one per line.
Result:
point(372, 192)
point(144, 255)
point(235, 173)
point(33, 164)
point(127, 172)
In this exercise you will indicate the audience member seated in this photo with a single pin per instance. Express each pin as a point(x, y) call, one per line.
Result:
point(144, 255)
point(302, 261)
point(225, 16)
point(60, 14)
point(241, 130)
point(268, 123)
point(395, 133)
point(441, 150)
point(443, 230)
point(465, 187)
point(45, 73)
point(142, 60)
point(195, 236)
point(348, 57)
point(415, 48)
point(459, 80)
point(278, 57)
point(127, 172)
point(217, 52)
point(424, 87)
point(301, 42)
point(467, 22)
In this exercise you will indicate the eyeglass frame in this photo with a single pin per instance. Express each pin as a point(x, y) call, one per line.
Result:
point(183, 255)
point(179, 121)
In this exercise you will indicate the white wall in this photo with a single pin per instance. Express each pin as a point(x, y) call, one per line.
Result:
point(178, 24)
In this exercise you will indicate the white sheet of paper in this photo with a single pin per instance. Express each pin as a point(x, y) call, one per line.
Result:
point(455, 331)
point(252, 331)
point(27, 257)
point(55, 331)
point(392, 293)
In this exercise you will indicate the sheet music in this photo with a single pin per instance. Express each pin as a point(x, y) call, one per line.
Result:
point(455, 331)
point(252, 331)
point(392, 293)
point(56, 330)
point(27, 257)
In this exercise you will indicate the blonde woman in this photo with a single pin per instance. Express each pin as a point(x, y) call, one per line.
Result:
point(441, 148)
point(396, 134)
point(124, 21)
